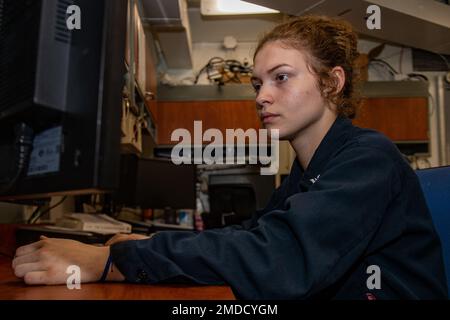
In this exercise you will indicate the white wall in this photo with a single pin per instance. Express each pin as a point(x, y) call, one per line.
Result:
point(202, 52)
point(208, 35)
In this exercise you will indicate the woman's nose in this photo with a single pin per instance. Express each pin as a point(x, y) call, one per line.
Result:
point(264, 97)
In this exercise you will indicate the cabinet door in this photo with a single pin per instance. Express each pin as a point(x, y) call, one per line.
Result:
point(221, 115)
point(401, 119)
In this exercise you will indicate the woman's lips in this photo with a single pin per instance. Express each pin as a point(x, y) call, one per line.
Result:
point(269, 117)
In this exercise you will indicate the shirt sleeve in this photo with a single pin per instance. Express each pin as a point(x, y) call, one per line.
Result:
point(288, 254)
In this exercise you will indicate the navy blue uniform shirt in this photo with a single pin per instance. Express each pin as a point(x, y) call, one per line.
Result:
point(358, 204)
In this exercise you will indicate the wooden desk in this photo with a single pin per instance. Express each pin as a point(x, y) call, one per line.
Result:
point(12, 288)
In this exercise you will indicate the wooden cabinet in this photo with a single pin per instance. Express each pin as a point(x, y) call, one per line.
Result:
point(401, 119)
point(398, 109)
point(222, 115)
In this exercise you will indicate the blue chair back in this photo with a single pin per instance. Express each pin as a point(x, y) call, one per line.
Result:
point(435, 184)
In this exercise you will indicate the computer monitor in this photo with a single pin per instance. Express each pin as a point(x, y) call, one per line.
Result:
point(60, 96)
point(156, 183)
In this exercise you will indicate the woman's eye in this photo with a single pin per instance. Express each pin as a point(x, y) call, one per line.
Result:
point(256, 86)
point(282, 77)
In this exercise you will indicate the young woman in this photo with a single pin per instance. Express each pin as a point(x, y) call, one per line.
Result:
point(350, 221)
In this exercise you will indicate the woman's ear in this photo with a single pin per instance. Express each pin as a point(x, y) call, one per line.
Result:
point(338, 76)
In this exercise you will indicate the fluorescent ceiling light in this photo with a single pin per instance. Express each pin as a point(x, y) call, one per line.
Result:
point(232, 7)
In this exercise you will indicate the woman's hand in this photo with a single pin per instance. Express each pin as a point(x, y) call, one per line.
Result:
point(125, 237)
point(46, 261)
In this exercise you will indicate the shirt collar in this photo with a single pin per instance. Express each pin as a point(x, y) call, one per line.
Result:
point(336, 136)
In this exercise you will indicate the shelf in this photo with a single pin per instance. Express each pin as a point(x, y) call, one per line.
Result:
point(371, 89)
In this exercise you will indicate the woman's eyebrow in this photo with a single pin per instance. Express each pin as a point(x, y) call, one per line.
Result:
point(278, 66)
point(255, 77)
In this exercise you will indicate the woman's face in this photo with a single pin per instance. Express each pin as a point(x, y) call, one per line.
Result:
point(287, 95)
